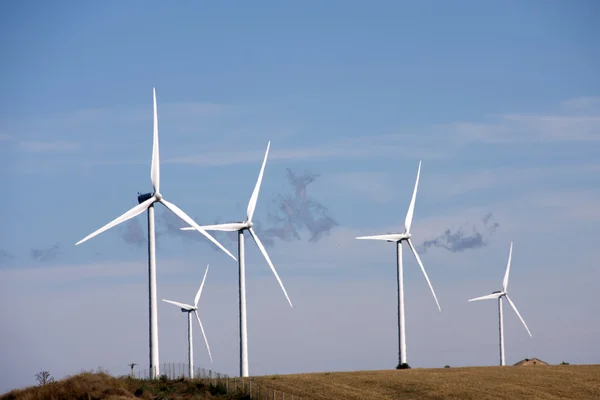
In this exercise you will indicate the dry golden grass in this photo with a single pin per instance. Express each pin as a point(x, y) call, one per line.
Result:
point(101, 386)
point(530, 382)
point(477, 383)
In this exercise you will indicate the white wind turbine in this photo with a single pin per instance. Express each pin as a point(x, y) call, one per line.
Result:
point(193, 309)
point(398, 238)
point(240, 227)
point(147, 203)
point(499, 295)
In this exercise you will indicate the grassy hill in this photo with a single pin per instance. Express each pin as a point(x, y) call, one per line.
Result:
point(535, 382)
point(101, 386)
point(477, 383)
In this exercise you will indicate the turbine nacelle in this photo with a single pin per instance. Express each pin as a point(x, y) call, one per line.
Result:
point(143, 197)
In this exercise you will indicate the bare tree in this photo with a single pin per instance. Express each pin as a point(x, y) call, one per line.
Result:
point(44, 377)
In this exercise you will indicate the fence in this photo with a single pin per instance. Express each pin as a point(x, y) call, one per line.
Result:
point(219, 383)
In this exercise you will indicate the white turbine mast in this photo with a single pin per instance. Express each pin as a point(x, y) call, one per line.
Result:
point(499, 295)
point(240, 227)
point(398, 238)
point(189, 309)
point(147, 203)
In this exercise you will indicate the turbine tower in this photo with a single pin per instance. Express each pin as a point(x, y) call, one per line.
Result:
point(147, 203)
point(499, 295)
point(398, 238)
point(193, 309)
point(240, 227)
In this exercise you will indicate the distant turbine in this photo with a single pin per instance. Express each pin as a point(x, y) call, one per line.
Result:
point(147, 203)
point(131, 366)
point(398, 238)
point(240, 227)
point(499, 295)
point(193, 309)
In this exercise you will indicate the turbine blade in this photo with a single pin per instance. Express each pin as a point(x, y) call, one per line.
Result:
point(200, 290)
point(155, 168)
point(424, 273)
point(411, 207)
point(393, 237)
point(135, 211)
point(177, 211)
point(178, 304)
point(203, 334)
point(505, 282)
point(254, 197)
point(518, 315)
point(488, 296)
point(264, 252)
point(232, 227)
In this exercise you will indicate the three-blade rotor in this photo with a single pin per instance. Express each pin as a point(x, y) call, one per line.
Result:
point(156, 197)
point(189, 308)
point(504, 293)
point(248, 225)
point(400, 237)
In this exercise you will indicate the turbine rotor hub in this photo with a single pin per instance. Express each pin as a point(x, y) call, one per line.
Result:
point(158, 196)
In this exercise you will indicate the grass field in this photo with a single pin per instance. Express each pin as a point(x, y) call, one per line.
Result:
point(477, 383)
point(520, 382)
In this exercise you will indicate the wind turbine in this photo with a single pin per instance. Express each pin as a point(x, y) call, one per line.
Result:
point(131, 366)
point(146, 202)
point(240, 227)
point(398, 238)
point(193, 309)
point(499, 295)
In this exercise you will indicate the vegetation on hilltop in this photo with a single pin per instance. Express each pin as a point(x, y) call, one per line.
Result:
point(101, 386)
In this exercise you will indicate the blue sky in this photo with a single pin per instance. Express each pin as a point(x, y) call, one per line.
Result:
point(500, 100)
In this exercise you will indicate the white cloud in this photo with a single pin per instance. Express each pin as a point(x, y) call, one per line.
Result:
point(347, 148)
point(587, 103)
point(458, 183)
point(532, 128)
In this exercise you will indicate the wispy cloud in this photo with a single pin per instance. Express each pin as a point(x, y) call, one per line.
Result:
point(562, 126)
point(452, 184)
point(44, 255)
point(5, 256)
point(586, 103)
point(460, 239)
point(357, 148)
point(59, 146)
